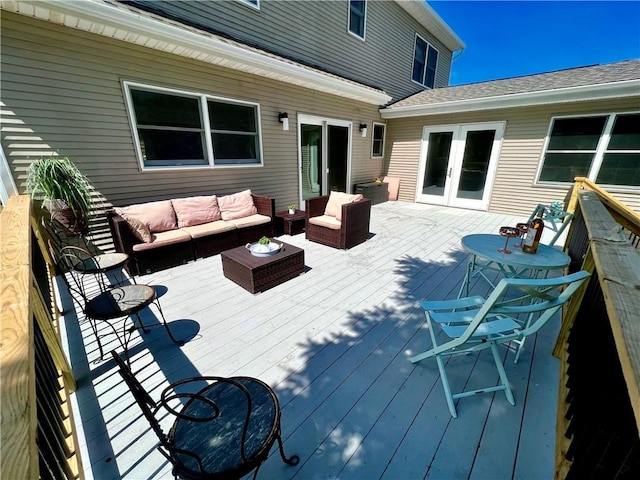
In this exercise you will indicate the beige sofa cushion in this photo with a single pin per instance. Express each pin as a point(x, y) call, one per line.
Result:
point(250, 221)
point(237, 205)
point(211, 228)
point(158, 216)
point(326, 221)
point(169, 237)
point(192, 211)
point(336, 200)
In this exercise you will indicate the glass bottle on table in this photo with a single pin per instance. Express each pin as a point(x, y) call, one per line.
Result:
point(534, 233)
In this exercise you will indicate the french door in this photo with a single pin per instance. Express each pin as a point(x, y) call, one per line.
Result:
point(324, 156)
point(458, 164)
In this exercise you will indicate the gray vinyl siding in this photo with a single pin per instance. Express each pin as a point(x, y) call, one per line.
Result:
point(315, 33)
point(524, 136)
point(62, 94)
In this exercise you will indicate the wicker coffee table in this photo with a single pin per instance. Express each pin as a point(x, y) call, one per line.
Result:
point(257, 274)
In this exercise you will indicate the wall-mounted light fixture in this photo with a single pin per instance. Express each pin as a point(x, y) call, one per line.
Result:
point(284, 119)
point(363, 129)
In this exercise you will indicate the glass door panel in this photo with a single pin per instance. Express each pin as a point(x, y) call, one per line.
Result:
point(337, 143)
point(475, 164)
point(435, 173)
point(311, 158)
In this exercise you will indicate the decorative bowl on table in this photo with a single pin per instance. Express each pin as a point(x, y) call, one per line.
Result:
point(264, 250)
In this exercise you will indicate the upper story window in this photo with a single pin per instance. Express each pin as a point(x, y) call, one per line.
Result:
point(603, 148)
point(357, 17)
point(183, 129)
point(377, 142)
point(425, 61)
point(252, 3)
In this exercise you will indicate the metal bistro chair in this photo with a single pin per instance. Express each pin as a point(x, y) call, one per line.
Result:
point(475, 323)
point(100, 265)
point(224, 430)
point(107, 304)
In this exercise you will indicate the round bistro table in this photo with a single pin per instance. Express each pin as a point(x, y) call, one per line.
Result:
point(487, 257)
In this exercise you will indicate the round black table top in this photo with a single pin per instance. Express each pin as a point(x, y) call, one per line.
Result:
point(102, 263)
point(120, 301)
point(218, 442)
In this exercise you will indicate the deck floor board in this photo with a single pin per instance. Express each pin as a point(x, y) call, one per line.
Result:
point(334, 343)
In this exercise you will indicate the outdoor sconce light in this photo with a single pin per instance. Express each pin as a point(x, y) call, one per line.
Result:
point(284, 119)
point(363, 129)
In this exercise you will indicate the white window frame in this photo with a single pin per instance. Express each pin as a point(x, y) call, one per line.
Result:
point(364, 23)
point(384, 138)
point(205, 126)
point(598, 157)
point(426, 57)
point(248, 3)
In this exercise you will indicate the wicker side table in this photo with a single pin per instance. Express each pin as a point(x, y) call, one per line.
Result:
point(257, 274)
point(291, 223)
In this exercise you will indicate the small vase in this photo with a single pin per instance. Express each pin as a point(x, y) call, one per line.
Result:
point(292, 211)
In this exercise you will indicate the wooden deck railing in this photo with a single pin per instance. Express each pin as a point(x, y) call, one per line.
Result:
point(37, 434)
point(599, 343)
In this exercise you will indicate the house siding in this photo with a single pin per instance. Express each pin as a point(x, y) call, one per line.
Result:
point(62, 94)
point(315, 33)
point(525, 131)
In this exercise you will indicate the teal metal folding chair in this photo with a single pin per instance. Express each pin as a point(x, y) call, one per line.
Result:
point(554, 218)
point(474, 323)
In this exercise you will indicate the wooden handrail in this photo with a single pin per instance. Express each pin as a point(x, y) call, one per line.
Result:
point(26, 317)
point(17, 367)
point(599, 341)
point(621, 213)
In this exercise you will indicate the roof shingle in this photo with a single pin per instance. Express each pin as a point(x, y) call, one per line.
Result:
point(574, 77)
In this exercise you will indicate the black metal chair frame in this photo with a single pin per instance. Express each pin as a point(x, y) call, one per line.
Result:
point(86, 263)
point(169, 444)
point(109, 303)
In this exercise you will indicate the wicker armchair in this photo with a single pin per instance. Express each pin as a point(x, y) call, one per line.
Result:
point(354, 226)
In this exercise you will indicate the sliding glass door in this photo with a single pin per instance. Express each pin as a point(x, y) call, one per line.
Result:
point(324, 156)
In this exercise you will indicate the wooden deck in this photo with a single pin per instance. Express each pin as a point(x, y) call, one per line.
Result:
point(334, 343)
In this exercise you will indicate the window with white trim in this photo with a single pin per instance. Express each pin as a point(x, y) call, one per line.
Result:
point(184, 129)
point(425, 61)
point(357, 17)
point(377, 142)
point(604, 148)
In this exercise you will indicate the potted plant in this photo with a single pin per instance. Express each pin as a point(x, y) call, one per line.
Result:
point(64, 191)
point(292, 209)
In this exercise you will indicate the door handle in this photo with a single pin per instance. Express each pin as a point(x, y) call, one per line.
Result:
point(449, 173)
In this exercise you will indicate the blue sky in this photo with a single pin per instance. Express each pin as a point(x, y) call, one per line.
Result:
point(513, 38)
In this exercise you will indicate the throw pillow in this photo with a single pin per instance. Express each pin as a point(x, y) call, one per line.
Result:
point(336, 200)
point(193, 211)
point(237, 205)
point(139, 228)
point(158, 216)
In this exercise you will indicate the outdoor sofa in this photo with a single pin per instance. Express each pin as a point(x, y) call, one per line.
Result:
point(166, 233)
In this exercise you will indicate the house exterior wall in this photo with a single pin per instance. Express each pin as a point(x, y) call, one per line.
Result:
point(62, 94)
point(520, 155)
point(315, 32)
